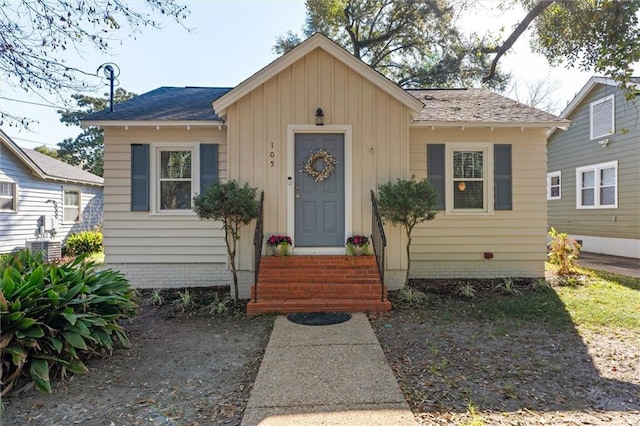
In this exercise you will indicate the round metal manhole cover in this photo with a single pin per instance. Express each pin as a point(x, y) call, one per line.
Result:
point(319, 318)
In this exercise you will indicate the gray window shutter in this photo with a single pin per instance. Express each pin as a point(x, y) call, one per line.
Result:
point(502, 177)
point(208, 165)
point(140, 177)
point(435, 172)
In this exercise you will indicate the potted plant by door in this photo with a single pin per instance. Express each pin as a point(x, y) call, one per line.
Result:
point(279, 244)
point(357, 245)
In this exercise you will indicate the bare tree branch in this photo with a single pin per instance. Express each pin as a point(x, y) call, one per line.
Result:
point(533, 13)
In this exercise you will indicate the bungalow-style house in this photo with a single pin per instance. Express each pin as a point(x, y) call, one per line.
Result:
point(484, 153)
point(593, 179)
point(43, 200)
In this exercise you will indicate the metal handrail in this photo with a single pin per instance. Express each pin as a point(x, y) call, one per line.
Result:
point(258, 239)
point(378, 239)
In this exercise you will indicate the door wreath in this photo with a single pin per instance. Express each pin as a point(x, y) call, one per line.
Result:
point(329, 165)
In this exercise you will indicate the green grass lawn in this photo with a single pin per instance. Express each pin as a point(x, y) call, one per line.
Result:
point(96, 257)
point(604, 300)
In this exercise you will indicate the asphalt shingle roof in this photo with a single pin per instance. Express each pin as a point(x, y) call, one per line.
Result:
point(475, 105)
point(440, 105)
point(166, 103)
point(61, 170)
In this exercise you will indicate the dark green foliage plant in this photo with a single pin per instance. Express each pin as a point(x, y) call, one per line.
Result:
point(233, 205)
point(407, 203)
point(84, 242)
point(55, 316)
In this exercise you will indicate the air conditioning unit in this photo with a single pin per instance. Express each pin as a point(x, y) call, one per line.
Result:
point(52, 249)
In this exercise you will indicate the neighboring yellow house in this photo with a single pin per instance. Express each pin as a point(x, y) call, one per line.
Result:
point(485, 154)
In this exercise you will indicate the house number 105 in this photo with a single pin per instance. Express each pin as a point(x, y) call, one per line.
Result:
point(272, 156)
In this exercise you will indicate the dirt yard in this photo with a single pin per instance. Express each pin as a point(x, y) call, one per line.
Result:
point(180, 369)
point(457, 367)
point(454, 366)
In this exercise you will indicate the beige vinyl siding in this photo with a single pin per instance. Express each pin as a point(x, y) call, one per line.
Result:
point(573, 148)
point(379, 129)
point(144, 237)
point(453, 244)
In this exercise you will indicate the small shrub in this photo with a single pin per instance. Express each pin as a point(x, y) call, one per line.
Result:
point(507, 287)
point(218, 306)
point(54, 316)
point(408, 296)
point(156, 298)
point(563, 252)
point(84, 242)
point(184, 302)
point(467, 291)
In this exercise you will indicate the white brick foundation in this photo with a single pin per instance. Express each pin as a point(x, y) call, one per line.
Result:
point(477, 269)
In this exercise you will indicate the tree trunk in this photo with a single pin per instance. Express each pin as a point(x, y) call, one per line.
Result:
point(231, 251)
point(406, 278)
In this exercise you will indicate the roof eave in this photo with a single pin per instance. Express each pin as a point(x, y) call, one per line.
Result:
point(15, 150)
point(562, 124)
point(151, 123)
point(321, 41)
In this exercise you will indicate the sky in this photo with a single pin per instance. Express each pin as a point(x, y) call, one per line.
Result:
point(228, 42)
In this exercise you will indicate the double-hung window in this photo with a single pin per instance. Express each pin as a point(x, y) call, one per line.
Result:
point(165, 177)
point(597, 186)
point(175, 179)
point(71, 206)
point(8, 197)
point(469, 184)
point(471, 177)
point(554, 191)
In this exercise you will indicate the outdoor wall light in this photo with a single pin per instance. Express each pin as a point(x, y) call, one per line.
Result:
point(462, 186)
point(319, 117)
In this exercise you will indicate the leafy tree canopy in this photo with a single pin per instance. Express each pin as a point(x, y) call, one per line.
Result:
point(87, 149)
point(34, 36)
point(600, 36)
point(414, 43)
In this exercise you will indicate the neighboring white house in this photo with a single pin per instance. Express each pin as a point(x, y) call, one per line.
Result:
point(593, 176)
point(42, 198)
point(484, 153)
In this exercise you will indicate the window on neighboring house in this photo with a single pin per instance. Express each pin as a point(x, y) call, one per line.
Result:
point(602, 117)
point(553, 186)
point(597, 186)
point(175, 184)
point(71, 206)
point(8, 197)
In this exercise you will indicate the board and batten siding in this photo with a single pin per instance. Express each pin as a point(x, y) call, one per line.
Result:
point(453, 244)
point(258, 125)
point(160, 250)
point(573, 148)
point(33, 193)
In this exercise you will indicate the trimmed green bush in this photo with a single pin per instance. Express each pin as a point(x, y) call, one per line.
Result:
point(84, 242)
point(55, 316)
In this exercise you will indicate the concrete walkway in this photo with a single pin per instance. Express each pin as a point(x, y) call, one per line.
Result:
point(620, 265)
point(325, 375)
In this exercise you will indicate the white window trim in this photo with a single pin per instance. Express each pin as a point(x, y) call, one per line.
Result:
point(79, 191)
point(15, 196)
point(613, 115)
point(596, 196)
point(154, 187)
point(487, 172)
point(551, 175)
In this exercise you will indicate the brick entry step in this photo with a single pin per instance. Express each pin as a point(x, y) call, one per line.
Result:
point(318, 284)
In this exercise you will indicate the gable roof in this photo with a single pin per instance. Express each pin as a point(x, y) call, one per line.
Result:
point(320, 41)
point(165, 104)
point(48, 168)
point(478, 107)
point(586, 89)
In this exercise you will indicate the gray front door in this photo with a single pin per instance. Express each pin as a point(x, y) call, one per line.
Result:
point(319, 206)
